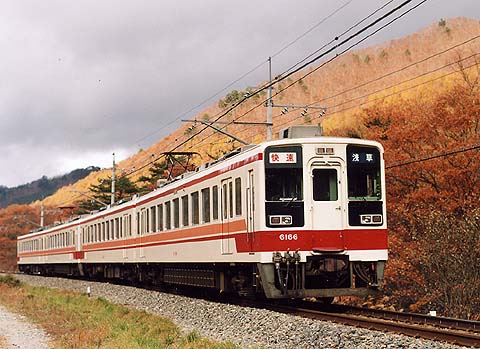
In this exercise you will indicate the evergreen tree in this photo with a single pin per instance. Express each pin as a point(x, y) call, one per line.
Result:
point(149, 182)
point(101, 193)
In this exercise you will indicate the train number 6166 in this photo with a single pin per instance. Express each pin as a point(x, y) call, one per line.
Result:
point(288, 237)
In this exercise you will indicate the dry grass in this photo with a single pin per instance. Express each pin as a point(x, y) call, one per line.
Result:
point(76, 321)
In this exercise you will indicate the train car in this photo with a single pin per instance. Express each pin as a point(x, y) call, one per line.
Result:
point(301, 216)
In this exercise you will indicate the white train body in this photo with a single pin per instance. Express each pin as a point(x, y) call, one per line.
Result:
point(287, 218)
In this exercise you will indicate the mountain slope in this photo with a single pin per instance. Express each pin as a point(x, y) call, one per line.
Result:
point(43, 187)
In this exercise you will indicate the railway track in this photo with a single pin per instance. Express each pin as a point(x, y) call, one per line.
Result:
point(454, 331)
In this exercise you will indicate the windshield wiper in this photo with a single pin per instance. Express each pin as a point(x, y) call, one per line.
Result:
point(289, 200)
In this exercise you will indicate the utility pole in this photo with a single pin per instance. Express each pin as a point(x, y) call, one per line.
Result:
point(42, 212)
point(270, 105)
point(112, 198)
point(269, 102)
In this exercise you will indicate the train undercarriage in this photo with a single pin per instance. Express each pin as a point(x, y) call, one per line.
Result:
point(320, 277)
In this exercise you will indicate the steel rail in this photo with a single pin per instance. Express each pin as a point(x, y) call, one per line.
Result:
point(418, 330)
point(444, 322)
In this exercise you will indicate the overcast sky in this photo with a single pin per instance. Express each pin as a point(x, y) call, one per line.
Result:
point(82, 79)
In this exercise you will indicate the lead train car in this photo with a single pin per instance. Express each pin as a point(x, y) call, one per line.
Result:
point(290, 218)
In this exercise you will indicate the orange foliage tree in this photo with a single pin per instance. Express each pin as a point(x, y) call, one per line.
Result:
point(433, 197)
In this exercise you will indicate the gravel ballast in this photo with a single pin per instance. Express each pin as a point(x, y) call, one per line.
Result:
point(247, 327)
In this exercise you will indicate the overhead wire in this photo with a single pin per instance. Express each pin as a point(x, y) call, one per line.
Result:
point(411, 79)
point(281, 50)
point(251, 71)
point(283, 77)
point(336, 38)
point(321, 56)
point(362, 30)
point(324, 19)
point(407, 88)
point(392, 86)
point(387, 75)
point(453, 152)
point(396, 71)
point(203, 101)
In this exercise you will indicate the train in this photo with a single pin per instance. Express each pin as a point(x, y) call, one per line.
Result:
point(297, 217)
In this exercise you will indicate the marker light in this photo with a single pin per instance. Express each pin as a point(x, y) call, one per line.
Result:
point(371, 219)
point(280, 220)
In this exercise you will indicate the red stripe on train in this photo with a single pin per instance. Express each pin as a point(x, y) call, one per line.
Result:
point(309, 240)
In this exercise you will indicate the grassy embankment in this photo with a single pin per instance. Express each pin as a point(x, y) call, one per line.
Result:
point(75, 321)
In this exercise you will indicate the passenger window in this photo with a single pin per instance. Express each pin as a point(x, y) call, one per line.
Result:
point(117, 227)
point(107, 230)
point(215, 202)
point(225, 201)
point(195, 208)
point(238, 196)
point(160, 217)
point(138, 224)
point(168, 215)
point(325, 186)
point(153, 218)
point(185, 210)
point(120, 227)
point(230, 197)
point(147, 221)
point(206, 205)
point(176, 213)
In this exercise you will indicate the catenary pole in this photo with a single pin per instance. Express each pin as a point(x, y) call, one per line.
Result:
point(112, 198)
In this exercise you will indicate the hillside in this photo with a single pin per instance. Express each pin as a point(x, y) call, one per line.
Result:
point(41, 188)
point(324, 87)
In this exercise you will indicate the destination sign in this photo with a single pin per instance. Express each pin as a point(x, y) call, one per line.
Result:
point(283, 158)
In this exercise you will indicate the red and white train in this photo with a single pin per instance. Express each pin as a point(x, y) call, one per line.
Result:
point(296, 217)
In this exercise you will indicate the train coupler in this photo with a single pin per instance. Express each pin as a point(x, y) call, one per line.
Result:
point(283, 266)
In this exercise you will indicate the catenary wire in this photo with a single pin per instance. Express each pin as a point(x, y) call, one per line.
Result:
point(235, 105)
point(396, 71)
point(328, 61)
point(339, 36)
point(312, 61)
point(392, 86)
point(405, 89)
point(453, 152)
point(389, 87)
point(258, 66)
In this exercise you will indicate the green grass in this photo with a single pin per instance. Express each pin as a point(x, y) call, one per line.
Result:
point(77, 321)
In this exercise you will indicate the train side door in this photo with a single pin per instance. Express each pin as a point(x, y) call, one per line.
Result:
point(250, 210)
point(327, 206)
point(226, 194)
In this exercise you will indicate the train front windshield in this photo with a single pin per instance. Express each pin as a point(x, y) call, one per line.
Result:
point(284, 205)
point(283, 184)
point(365, 199)
point(364, 180)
